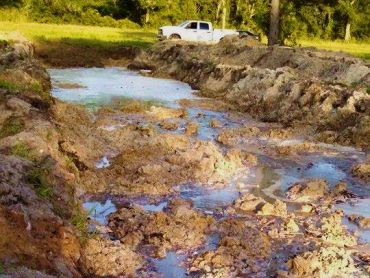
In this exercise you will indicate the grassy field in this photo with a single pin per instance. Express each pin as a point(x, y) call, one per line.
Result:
point(359, 49)
point(75, 45)
point(95, 36)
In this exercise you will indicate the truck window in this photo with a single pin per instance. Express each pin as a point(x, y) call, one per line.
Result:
point(192, 25)
point(203, 26)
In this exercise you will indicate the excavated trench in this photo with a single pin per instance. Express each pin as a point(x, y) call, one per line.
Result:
point(274, 159)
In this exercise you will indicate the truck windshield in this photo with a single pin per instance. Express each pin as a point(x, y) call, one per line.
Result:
point(183, 24)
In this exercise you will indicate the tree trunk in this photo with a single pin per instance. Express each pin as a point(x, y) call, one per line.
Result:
point(147, 16)
point(274, 23)
point(218, 10)
point(224, 16)
point(347, 35)
point(221, 6)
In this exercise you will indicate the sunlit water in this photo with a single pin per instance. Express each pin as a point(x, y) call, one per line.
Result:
point(102, 85)
point(269, 179)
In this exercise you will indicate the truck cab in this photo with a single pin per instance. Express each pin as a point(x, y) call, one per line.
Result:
point(193, 30)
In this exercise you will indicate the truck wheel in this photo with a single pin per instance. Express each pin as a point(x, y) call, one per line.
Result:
point(175, 37)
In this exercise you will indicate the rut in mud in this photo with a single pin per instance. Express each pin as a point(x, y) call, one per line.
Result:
point(174, 184)
point(189, 187)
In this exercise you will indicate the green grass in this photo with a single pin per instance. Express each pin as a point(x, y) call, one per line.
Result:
point(11, 126)
point(358, 49)
point(59, 37)
point(91, 35)
point(22, 150)
point(38, 178)
point(80, 221)
point(7, 85)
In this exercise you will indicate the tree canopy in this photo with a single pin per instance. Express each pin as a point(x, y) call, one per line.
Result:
point(331, 19)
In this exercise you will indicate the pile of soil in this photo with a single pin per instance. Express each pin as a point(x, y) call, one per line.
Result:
point(297, 87)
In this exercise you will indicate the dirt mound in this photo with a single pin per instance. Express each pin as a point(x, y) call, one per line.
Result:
point(239, 251)
point(293, 86)
point(36, 201)
point(324, 262)
point(104, 257)
point(148, 164)
point(234, 41)
point(179, 227)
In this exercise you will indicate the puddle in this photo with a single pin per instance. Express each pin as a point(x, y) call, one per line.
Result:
point(359, 207)
point(170, 266)
point(102, 85)
point(155, 208)
point(208, 200)
point(102, 163)
point(100, 211)
point(212, 242)
point(269, 180)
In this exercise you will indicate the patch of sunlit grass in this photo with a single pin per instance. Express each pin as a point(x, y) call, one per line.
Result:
point(91, 35)
point(356, 48)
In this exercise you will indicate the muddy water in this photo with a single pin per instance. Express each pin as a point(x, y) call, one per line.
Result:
point(269, 179)
point(97, 86)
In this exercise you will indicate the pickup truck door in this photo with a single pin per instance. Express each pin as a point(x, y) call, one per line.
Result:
point(190, 31)
point(204, 32)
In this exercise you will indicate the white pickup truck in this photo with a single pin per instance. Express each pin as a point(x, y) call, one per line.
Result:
point(193, 30)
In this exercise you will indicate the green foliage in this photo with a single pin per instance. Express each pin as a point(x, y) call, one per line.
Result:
point(22, 150)
point(299, 18)
point(11, 126)
point(7, 85)
point(38, 176)
point(80, 221)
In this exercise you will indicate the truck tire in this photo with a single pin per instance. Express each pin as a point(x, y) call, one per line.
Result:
point(175, 37)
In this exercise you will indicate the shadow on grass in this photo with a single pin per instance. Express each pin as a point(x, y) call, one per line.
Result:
point(365, 56)
point(81, 52)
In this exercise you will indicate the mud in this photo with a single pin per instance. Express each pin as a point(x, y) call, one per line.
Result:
point(178, 227)
point(37, 196)
point(177, 187)
point(297, 87)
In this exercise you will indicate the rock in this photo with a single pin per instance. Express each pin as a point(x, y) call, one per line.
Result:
point(339, 188)
point(215, 123)
point(169, 125)
point(162, 113)
point(291, 226)
point(248, 202)
point(20, 107)
point(23, 272)
point(179, 227)
point(23, 49)
point(323, 262)
point(361, 221)
point(240, 249)
point(334, 232)
point(251, 159)
point(292, 86)
point(191, 128)
point(362, 171)
point(307, 191)
point(277, 209)
point(105, 257)
point(306, 208)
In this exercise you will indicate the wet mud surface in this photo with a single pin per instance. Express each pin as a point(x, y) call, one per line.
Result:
point(177, 185)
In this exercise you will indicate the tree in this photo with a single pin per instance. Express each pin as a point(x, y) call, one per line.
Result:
point(222, 8)
point(348, 9)
point(274, 23)
point(10, 3)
